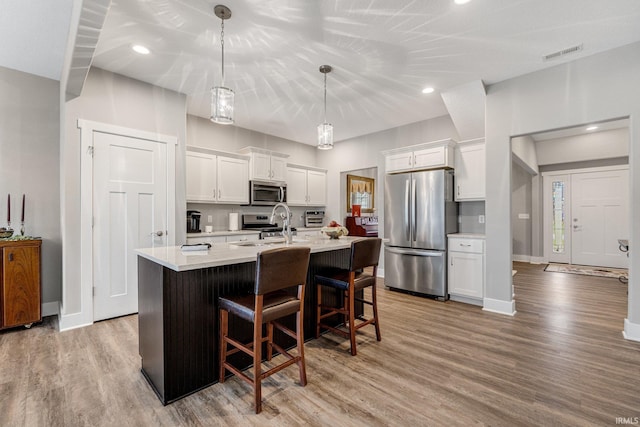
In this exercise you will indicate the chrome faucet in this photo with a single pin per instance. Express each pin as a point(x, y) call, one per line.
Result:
point(286, 221)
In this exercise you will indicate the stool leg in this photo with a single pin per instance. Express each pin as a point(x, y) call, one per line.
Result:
point(257, 355)
point(352, 321)
point(375, 311)
point(270, 340)
point(300, 342)
point(345, 306)
point(318, 309)
point(224, 328)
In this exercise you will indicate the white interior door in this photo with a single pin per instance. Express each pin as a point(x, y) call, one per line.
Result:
point(599, 217)
point(130, 212)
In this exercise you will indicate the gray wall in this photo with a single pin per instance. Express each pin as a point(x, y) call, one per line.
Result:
point(521, 200)
point(596, 88)
point(29, 164)
point(116, 100)
point(599, 145)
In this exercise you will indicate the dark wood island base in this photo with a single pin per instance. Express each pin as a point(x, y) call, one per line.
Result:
point(178, 320)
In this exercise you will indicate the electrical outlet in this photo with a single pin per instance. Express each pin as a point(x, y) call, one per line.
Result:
point(481, 219)
point(210, 218)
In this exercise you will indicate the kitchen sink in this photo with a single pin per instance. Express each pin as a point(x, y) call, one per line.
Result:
point(267, 242)
point(255, 243)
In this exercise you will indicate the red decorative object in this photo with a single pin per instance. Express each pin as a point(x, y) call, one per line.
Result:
point(356, 210)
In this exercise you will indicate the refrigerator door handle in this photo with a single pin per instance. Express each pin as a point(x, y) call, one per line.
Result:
point(407, 207)
point(414, 252)
point(414, 202)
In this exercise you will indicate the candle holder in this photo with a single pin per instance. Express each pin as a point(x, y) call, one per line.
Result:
point(22, 228)
point(6, 232)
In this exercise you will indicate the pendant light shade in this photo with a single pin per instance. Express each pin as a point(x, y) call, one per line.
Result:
point(222, 97)
point(325, 130)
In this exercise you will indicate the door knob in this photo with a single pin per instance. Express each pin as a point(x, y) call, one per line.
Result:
point(158, 233)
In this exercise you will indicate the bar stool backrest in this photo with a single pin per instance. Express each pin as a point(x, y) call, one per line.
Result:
point(365, 253)
point(281, 268)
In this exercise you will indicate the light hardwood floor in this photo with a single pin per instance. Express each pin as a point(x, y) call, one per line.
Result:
point(561, 360)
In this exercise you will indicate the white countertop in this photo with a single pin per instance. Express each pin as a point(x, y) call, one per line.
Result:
point(223, 233)
point(467, 235)
point(228, 253)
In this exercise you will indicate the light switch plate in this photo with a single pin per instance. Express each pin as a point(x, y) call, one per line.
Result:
point(481, 219)
point(523, 216)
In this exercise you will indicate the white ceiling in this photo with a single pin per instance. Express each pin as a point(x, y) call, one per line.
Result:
point(382, 52)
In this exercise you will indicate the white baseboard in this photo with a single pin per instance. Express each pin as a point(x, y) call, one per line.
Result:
point(631, 330)
point(50, 308)
point(529, 259)
point(66, 322)
point(380, 273)
point(499, 306)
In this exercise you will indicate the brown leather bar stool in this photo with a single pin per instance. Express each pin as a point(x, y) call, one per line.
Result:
point(276, 270)
point(364, 253)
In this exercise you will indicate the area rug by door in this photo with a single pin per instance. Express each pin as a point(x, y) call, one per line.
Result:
point(586, 270)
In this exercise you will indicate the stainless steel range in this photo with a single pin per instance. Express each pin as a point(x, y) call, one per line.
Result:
point(260, 222)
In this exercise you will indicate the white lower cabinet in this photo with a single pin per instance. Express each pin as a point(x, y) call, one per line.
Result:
point(466, 269)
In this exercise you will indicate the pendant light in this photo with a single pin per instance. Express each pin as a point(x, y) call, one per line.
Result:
point(221, 96)
point(325, 130)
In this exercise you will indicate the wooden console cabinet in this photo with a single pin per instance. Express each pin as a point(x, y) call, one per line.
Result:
point(20, 284)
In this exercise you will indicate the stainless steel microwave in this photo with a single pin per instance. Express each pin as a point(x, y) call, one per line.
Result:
point(262, 193)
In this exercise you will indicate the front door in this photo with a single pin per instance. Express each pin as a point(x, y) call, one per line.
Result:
point(130, 211)
point(599, 217)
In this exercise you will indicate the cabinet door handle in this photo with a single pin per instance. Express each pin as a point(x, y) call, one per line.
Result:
point(462, 244)
point(458, 190)
point(219, 194)
point(10, 256)
point(410, 156)
point(452, 262)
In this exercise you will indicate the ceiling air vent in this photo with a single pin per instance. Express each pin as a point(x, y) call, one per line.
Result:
point(563, 52)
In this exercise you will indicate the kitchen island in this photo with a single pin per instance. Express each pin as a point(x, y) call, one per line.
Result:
point(178, 295)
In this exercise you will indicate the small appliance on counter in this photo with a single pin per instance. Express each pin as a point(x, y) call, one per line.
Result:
point(313, 219)
point(366, 226)
point(193, 221)
point(234, 221)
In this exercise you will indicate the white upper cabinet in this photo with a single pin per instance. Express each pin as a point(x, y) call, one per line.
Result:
point(430, 155)
point(306, 186)
point(201, 177)
point(266, 165)
point(233, 180)
point(470, 170)
point(213, 177)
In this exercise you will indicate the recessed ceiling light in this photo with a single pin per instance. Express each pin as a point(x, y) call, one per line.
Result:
point(461, 1)
point(428, 90)
point(142, 50)
point(592, 128)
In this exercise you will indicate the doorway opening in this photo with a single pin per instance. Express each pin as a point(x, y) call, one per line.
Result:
point(570, 194)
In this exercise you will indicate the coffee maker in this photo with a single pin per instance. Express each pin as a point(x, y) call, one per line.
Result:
point(193, 221)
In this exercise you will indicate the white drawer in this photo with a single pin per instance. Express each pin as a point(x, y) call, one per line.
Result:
point(458, 244)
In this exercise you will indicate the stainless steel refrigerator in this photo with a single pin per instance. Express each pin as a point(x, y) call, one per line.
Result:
point(419, 212)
